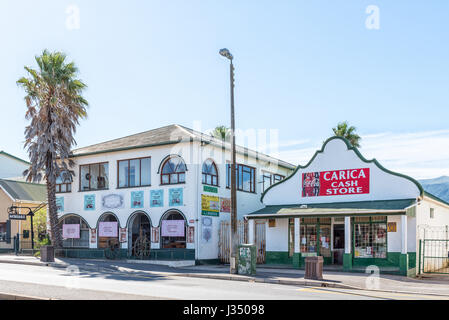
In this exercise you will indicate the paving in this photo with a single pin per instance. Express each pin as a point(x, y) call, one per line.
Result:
point(437, 285)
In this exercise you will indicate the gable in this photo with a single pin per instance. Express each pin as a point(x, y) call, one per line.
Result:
point(339, 173)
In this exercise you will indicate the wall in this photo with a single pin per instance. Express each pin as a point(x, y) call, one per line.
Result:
point(337, 156)
point(11, 168)
point(194, 155)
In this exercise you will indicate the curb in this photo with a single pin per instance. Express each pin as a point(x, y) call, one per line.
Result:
point(10, 296)
point(307, 283)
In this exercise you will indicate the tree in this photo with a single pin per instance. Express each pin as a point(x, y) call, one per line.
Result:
point(222, 133)
point(344, 130)
point(55, 105)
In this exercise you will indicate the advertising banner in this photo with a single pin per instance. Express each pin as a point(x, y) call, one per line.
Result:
point(71, 231)
point(210, 205)
point(225, 205)
point(123, 235)
point(137, 199)
point(156, 198)
point(108, 229)
point(173, 228)
point(175, 197)
point(336, 183)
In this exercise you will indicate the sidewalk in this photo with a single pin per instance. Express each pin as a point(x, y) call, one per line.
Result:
point(433, 285)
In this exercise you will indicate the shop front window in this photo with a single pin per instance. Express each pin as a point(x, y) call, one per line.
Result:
point(370, 237)
point(315, 236)
point(80, 240)
point(173, 231)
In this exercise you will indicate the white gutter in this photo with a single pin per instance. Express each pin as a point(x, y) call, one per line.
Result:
point(349, 212)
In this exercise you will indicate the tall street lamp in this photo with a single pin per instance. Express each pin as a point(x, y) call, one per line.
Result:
point(234, 238)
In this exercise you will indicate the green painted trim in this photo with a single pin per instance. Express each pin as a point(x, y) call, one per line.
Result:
point(296, 260)
point(14, 157)
point(278, 257)
point(361, 157)
point(403, 264)
point(347, 261)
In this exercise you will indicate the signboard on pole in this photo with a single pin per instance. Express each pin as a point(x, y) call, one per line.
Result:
point(13, 216)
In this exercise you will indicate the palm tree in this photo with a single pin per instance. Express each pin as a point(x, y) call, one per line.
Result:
point(344, 130)
point(54, 106)
point(222, 133)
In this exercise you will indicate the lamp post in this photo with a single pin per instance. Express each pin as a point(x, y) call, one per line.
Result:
point(234, 238)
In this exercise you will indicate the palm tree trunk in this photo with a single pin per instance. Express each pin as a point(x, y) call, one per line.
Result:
point(55, 232)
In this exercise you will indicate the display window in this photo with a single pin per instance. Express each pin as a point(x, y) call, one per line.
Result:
point(370, 237)
point(315, 236)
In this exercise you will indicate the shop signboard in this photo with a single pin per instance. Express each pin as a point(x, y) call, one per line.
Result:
point(71, 231)
point(225, 205)
point(175, 197)
point(173, 228)
point(108, 229)
point(391, 227)
point(210, 189)
point(210, 205)
point(336, 183)
point(89, 202)
point(14, 216)
point(156, 198)
point(137, 199)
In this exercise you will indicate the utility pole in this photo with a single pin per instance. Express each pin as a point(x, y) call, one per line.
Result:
point(234, 235)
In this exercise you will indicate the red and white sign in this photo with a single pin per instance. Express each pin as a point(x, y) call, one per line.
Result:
point(173, 228)
point(335, 183)
point(71, 231)
point(108, 229)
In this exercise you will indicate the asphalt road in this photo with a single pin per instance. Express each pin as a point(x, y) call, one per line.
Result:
point(87, 284)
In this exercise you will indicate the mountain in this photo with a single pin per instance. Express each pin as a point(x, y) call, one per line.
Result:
point(438, 187)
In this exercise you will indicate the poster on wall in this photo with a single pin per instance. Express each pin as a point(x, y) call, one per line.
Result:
point(108, 229)
point(123, 234)
point(60, 204)
point(112, 201)
point(206, 232)
point(191, 234)
point(225, 205)
point(155, 234)
point(93, 235)
point(173, 228)
point(210, 205)
point(71, 231)
point(156, 198)
point(336, 183)
point(137, 199)
point(175, 197)
point(89, 202)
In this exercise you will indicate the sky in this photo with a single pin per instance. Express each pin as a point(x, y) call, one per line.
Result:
point(301, 67)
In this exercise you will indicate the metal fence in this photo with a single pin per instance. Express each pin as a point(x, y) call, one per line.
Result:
point(433, 249)
point(224, 237)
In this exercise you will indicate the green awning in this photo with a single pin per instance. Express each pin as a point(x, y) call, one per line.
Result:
point(334, 209)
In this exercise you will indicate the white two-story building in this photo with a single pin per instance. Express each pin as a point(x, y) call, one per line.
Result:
point(167, 187)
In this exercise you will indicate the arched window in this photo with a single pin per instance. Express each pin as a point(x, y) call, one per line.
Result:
point(108, 231)
point(76, 232)
point(210, 173)
point(139, 227)
point(173, 230)
point(173, 171)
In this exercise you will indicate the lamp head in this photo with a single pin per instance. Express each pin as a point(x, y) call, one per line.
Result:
point(225, 53)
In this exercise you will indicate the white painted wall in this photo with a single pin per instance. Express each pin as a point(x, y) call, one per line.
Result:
point(336, 156)
point(10, 167)
point(277, 237)
point(194, 155)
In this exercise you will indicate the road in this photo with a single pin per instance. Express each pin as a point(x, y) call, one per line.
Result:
point(87, 284)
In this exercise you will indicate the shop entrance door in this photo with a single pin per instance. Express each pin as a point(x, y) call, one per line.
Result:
point(338, 243)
